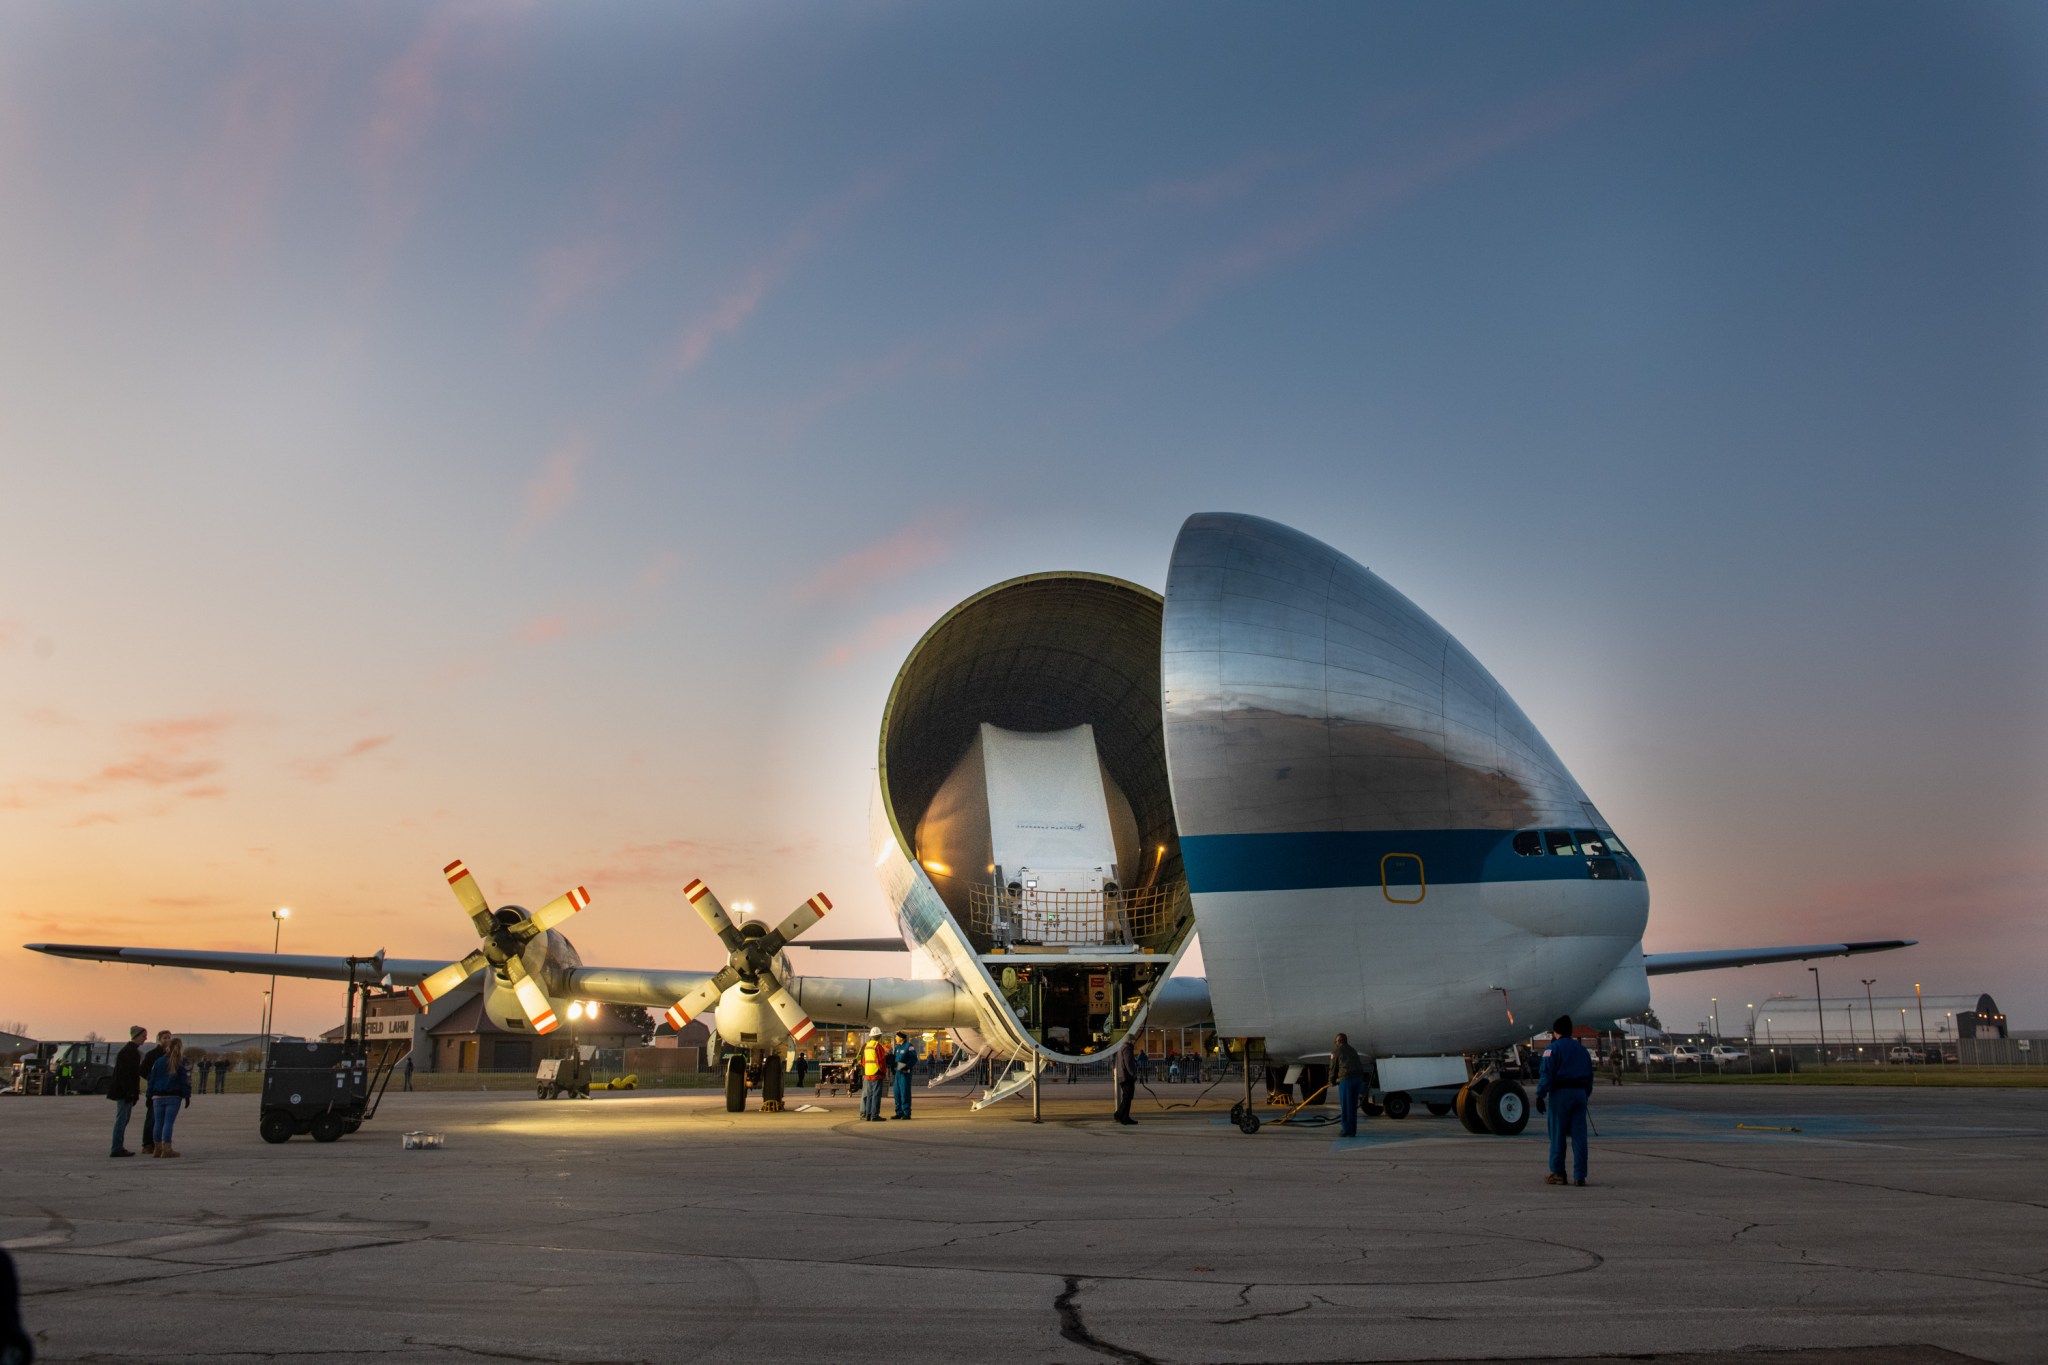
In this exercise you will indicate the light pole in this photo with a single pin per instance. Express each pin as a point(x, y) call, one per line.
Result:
point(277, 917)
point(1717, 1018)
point(1752, 1025)
point(1921, 1005)
point(1868, 982)
point(1820, 1013)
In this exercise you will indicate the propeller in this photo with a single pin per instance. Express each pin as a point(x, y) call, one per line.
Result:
point(752, 951)
point(505, 933)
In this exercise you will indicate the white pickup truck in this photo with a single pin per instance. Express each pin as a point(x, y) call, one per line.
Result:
point(1683, 1056)
point(1724, 1056)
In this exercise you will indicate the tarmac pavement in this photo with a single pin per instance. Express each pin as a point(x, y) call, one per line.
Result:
point(1892, 1226)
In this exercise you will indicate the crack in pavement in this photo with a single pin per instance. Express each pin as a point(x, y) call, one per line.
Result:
point(1076, 1331)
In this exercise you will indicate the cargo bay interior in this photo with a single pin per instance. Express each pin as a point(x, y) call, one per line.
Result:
point(1023, 765)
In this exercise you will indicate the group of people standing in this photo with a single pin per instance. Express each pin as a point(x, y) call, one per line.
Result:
point(879, 1062)
point(159, 1079)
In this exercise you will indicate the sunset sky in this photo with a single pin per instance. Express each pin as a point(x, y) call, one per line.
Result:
point(536, 433)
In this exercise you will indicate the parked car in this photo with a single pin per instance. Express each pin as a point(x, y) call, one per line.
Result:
point(1681, 1055)
point(1724, 1056)
point(1652, 1057)
point(1904, 1053)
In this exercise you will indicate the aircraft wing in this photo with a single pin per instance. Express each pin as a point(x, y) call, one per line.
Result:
point(612, 985)
point(1663, 964)
point(404, 971)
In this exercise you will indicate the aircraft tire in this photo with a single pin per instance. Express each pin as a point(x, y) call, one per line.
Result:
point(1505, 1107)
point(736, 1085)
point(1436, 1110)
point(1396, 1103)
point(1248, 1123)
point(1470, 1099)
point(276, 1126)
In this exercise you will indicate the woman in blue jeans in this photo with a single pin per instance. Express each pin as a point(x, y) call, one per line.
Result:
point(170, 1089)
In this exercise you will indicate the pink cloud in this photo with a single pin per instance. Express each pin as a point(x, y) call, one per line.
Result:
point(258, 113)
point(566, 275)
point(555, 487)
point(173, 752)
point(739, 302)
point(410, 92)
point(620, 235)
point(885, 630)
point(325, 767)
point(923, 542)
point(1233, 181)
point(542, 629)
point(659, 570)
point(577, 619)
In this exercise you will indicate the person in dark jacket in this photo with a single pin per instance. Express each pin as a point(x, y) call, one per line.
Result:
point(149, 1061)
point(903, 1066)
point(17, 1347)
point(1564, 1087)
point(124, 1088)
point(170, 1090)
point(1347, 1068)
point(1124, 1068)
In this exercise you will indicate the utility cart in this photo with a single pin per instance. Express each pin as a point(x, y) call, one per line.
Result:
point(327, 1089)
point(568, 1075)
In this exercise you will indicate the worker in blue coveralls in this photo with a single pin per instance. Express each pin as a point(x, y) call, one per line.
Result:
point(1565, 1080)
point(905, 1058)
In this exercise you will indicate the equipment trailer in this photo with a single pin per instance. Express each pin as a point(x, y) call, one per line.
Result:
point(326, 1089)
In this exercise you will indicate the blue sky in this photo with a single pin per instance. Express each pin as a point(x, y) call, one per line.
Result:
point(535, 434)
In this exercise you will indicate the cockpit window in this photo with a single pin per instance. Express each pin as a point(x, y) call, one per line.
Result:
point(1590, 843)
point(1615, 845)
point(1559, 841)
point(1529, 843)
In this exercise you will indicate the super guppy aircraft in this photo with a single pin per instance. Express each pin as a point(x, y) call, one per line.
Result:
point(1077, 775)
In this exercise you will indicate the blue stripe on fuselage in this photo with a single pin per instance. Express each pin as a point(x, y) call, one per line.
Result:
point(1297, 862)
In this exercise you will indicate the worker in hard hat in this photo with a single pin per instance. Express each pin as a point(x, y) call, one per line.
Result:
point(874, 1061)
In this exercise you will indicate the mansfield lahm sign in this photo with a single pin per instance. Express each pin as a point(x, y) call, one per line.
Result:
point(388, 1026)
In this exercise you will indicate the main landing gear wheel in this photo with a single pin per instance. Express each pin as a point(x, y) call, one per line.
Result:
point(276, 1127)
point(328, 1128)
point(1248, 1122)
point(735, 1085)
point(1505, 1108)
point(1396, 1104)
point(1436, 1110)
point(771, 1085)
point(1468, 1103)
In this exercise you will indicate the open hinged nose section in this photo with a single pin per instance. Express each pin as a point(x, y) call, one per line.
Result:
point(1030, 821)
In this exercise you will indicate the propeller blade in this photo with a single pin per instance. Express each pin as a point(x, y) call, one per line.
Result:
point(701, 999)
point(559, 909)
point(714, 915)
point(472, 898)
point(532, 999)
point(800, 919)
point(789, 1012)
point(446, 980)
